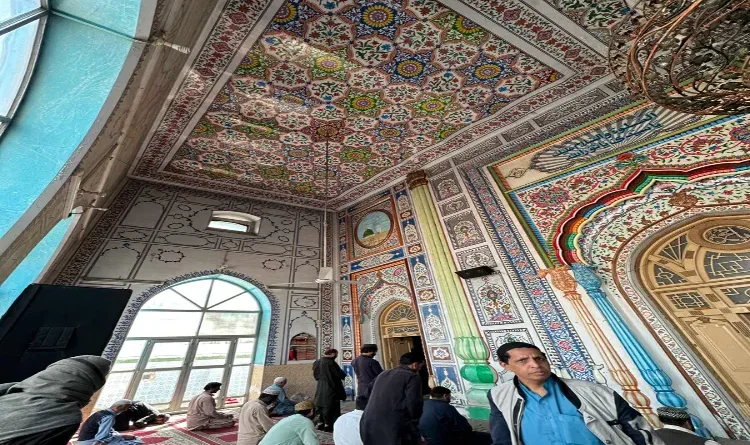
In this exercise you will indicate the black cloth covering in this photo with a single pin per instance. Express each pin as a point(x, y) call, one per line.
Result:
point(393, 410)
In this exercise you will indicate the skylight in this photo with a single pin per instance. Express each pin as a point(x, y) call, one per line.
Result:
point(21, 27)
point(228, 221)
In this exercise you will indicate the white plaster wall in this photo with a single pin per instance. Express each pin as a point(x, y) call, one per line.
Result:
point(154, 233)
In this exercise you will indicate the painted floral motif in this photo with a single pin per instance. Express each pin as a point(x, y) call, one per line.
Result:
point(496, 303)
point(403, 72)
point(545, 204)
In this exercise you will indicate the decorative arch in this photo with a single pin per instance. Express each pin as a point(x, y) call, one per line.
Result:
point(612, 241)
point(567, 237)
point(269, 322)
point(698, 274)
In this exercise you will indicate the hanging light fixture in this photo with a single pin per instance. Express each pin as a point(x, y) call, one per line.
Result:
point(686, 55)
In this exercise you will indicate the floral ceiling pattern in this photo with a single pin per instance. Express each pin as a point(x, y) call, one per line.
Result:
point(375, 81)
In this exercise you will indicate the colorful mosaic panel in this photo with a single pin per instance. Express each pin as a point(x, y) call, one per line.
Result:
point(544, 205)
point(378, 79)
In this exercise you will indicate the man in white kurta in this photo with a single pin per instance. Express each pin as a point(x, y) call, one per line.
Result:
point(202, 414)
point(255, 421)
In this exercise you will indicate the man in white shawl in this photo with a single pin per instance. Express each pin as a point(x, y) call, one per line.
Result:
point(45, 408)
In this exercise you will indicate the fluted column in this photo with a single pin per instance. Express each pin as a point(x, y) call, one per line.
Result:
point(468, 343)
point(564, 282)
point(652, 374)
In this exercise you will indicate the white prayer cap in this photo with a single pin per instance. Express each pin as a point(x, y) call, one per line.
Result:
point(271, 391)
point(123, 402)
point(278, 380)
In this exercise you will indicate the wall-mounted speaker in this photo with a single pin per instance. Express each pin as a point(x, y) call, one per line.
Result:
point(475, 272)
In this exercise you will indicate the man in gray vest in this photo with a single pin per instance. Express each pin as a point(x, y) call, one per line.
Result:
point(539, 408)
point(678, 428)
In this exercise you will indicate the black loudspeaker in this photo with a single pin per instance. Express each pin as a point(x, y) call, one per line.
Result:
point(475, 272)
point(48, 323)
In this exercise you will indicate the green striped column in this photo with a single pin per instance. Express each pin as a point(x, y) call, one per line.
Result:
point(468, 343)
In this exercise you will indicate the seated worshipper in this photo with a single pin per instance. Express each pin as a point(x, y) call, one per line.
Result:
point(202, 414)
point(678, 428)
point(141, 414)
point(45, 409)
point(284, 406)
point(254, 419)
point(346, 428)
point(441, 423)
point(294, 430)
point(98, 428)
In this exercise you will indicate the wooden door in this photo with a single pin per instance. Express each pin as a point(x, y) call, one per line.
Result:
point(700, 277)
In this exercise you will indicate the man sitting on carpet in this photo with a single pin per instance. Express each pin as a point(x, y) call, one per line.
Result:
point(284, 406)
point(141, 414)
point(98, 428)
point(202, 414)
point(254, 419)
point(294, 430)
point(346, 428)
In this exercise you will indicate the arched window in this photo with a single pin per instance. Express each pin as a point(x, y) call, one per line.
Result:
point(198, 331)
point(699, 275)
point(302, 347)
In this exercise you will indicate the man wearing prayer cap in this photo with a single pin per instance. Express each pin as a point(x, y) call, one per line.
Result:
point(99, 427)
point(284, 406)
point(255, 421)
point(297, 429)
point(366, 369)
point(678, 428)
point(46, 407)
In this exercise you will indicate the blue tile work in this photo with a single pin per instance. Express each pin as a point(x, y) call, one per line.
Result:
point(448, 377)
point(558, 335)
point(437, 338)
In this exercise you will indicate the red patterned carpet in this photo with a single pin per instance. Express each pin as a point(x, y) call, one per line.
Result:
point(175, 433)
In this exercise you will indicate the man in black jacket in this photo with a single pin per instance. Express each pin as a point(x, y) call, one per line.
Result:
point(442, 424)
point(395, 406)
point(366, 369)
point(330, 389)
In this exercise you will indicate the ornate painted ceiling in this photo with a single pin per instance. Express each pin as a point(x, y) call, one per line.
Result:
point(387, 86)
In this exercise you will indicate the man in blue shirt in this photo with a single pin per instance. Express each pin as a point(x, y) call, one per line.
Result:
point(538, 408)
point(98, 428)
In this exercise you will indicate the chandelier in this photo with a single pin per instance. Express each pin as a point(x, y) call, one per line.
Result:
point(690, 56)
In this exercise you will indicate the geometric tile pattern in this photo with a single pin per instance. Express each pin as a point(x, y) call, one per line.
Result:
point(378, 79)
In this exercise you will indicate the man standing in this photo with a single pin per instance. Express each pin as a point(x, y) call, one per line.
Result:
point(98, 428)
point(366, 368)
point(678, 428)
point(330, 389)
point(442, 424)
point(539, 408)
point(346, 429)
point(202, 414)
point(395, 405)
point(254, 419)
